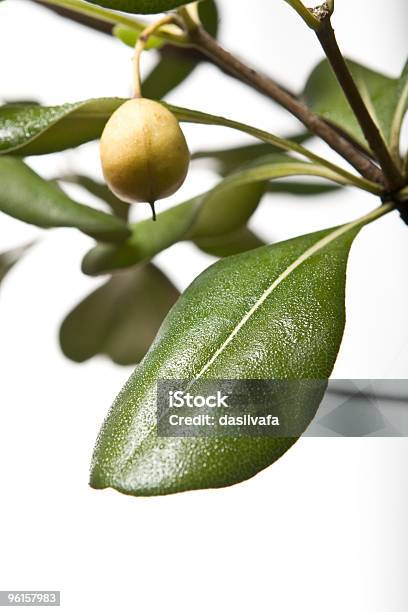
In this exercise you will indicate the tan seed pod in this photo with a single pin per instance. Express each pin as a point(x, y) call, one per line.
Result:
point(144, 153)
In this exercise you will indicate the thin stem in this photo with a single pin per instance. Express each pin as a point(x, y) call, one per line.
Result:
point(140, 46)
point(382, 210)
point(84, 8)
point(327, 39)
point(232, 65)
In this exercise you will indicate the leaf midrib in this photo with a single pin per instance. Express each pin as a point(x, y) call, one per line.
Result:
point(313, 250)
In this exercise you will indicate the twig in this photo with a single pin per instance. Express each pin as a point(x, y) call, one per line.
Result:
point(327, 39)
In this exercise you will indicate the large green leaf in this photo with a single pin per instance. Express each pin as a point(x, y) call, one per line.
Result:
point(28, 197)
point(380, 93)
point(273, 312)
point(224, 209)
point(121, 318)
point(142, 7)
point(9, 258)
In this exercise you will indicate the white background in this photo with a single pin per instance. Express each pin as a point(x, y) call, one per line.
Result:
point(323, 529)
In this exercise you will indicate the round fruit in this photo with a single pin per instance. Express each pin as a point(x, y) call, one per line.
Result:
point(143, 151)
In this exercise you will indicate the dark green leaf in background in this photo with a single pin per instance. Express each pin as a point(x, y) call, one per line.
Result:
point(238, 241)
point(143, 7)
point(26, 196)
point(302, 189)
point(380, 93)
point(121, 318)
point(273, 312)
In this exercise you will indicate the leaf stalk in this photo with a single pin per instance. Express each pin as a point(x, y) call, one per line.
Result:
point(140, 46)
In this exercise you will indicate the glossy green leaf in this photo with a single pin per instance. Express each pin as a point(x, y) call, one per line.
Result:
point(9, 258)
point(273, 312)
point(26, 196)
point(380, 93)
point(143, 7)
point(37, 130)
point(224, 209)
point(235, 242)
point(121, 318)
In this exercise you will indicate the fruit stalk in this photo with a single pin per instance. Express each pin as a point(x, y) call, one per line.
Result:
point(140, 46)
